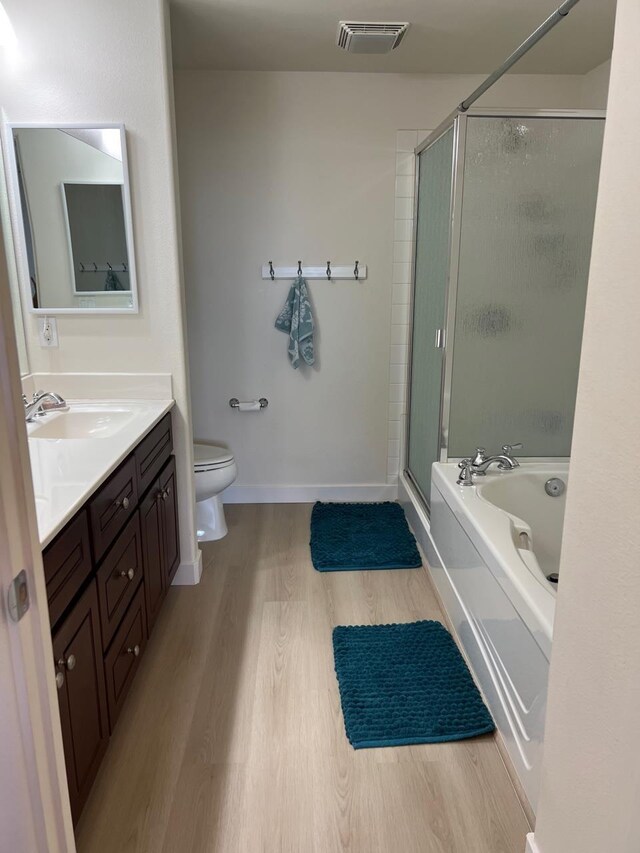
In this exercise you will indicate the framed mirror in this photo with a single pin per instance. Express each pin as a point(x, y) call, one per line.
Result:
point(72, 218)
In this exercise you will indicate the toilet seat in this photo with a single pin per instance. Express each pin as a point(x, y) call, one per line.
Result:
point(210, 457)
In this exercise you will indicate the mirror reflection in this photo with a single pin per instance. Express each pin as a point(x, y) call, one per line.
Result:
point(74, 213)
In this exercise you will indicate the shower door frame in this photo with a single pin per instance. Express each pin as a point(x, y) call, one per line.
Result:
point(458, 121)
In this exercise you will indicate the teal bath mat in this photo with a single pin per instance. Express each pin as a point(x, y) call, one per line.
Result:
point(352, 537)
point(405, 683)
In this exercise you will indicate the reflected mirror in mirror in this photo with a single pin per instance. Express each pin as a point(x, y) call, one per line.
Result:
point(71, 188)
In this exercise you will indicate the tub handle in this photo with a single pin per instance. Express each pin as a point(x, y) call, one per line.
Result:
point(508, 449)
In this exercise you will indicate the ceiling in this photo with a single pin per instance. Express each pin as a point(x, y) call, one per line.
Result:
point(445, 37)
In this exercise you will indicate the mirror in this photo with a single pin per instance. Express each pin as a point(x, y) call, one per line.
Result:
point(9, 250)
point(73, 215)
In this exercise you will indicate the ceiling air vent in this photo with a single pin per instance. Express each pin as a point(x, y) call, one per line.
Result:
point(362, 37)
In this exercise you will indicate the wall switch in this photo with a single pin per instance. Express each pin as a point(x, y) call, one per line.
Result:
point(48, 332)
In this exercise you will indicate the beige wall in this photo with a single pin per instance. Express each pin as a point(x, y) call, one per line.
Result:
point(285, 166)
point(107, 62)
point(591, 769)
point(595, 86)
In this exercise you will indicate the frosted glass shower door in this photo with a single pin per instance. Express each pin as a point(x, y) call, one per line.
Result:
point(528, 208)
point(429, 302)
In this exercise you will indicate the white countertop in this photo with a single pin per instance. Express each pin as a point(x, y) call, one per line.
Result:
point(67, 471)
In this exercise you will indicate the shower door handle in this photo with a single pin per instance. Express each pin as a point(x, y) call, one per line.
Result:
point(439, 339)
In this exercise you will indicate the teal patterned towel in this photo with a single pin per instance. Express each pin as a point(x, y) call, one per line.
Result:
point(112, 282)
point(296, 320)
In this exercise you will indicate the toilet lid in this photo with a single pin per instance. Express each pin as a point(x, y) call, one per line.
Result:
point(208, 456)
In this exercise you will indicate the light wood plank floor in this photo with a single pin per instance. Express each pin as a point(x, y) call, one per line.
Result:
point(232, 737)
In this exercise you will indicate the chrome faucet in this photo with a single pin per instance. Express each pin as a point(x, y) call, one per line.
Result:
point(43, 402)
point(477, 465)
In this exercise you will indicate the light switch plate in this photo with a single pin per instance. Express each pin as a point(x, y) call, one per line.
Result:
point(48, 332)
point(18, 596)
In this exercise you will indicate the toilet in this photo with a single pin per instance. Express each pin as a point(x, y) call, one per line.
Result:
point(215, 469)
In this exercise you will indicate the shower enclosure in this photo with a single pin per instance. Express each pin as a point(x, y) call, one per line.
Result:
point(504, 215)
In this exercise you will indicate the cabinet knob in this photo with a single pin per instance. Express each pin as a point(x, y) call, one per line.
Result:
point(59, 679)
point(165, 494)
point(130, 574)
point(69, 663)
point(135, 651)
point(125, 503)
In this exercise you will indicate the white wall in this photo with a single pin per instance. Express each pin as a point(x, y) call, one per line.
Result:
point(591, 769)
point(595, 86)
point(107, 62)
point(286, 166)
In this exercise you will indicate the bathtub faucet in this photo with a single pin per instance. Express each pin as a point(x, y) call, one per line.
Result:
point(478, 465)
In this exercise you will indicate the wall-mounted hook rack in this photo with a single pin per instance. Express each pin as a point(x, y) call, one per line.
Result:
point(328, 272)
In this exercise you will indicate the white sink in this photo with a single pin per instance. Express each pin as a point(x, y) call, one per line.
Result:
point(81, 422)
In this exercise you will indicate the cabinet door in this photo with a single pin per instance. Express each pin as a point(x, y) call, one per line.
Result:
point(77, 648)
point(152, 547)
point(169, 507)
point(123, 658)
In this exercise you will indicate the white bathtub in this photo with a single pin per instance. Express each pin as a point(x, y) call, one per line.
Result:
point(490, 548)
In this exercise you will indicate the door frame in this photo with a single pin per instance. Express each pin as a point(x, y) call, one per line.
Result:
point(36, 737)
point(457, 174)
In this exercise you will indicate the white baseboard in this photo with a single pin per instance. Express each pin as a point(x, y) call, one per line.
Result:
point(532, 847)
point(309, 494)
point(189, 574)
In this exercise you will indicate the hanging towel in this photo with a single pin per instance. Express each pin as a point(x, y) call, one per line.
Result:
point(296, 320)
point(112, 282)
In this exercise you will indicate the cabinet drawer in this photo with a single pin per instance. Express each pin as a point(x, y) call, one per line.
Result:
point(112, 506)
point(123, 658)
point(152, 452)
point(118, 578)
point(67, 563)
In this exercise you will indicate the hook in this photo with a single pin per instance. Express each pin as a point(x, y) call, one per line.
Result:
point(82, 267)
point(110, 267)
point(95, 267)
point(124, 267)
point(300, 269)
point(271, 271)
point(355, 271)
point(328, 270)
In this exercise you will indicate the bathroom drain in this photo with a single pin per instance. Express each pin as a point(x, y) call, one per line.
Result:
point(554, 487)
point(554, 577)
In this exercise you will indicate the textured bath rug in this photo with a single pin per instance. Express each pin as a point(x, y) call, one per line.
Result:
point(405, 683)
point(351, 537)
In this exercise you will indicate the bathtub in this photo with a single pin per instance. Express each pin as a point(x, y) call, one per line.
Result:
point(490, 548)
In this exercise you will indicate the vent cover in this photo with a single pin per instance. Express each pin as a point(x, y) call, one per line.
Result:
point(372, 37)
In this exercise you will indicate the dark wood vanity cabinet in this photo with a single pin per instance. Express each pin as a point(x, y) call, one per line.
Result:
point(107, 574)
point(77, 649)
point(160, 545)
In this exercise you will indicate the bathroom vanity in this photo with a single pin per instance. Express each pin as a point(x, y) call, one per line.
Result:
point(107, 570)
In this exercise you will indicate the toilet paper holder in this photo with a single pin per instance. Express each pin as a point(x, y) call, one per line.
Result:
point(235, 403)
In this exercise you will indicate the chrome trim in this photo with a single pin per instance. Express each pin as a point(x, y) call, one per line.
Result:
point(508, 112)
point(539, 33)
point(451, 299)
point(431, 139)
point(435, 135)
